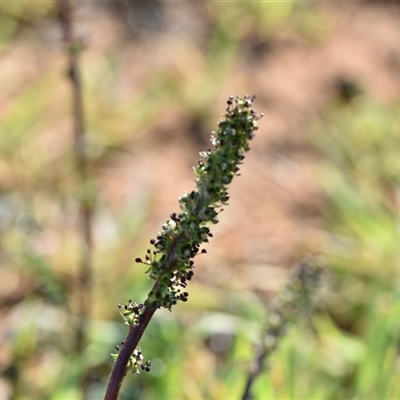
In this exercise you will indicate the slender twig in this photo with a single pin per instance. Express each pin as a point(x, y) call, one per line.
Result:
point(131, 342)
point(255, 369)
point(170, 264)
point(296, 298)
point(84, 277)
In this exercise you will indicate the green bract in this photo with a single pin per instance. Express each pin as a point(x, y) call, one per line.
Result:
point(170, 261)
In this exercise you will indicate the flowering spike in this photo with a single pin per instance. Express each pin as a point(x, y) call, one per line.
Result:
point(170, 263)
point(181, 236)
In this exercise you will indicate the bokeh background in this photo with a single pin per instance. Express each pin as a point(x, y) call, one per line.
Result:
point(322, 177)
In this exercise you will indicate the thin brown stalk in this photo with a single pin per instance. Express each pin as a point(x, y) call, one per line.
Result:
point(297, 298)
point(84, 276)
point(255, 370)
point(131, 342)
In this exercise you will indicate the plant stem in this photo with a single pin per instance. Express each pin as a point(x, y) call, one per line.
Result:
point(297, 298)
point(84, 275)
point(170, 264)
point(131, 342)
point(255, 370)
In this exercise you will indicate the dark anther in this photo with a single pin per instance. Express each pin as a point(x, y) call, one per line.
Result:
point(138, 260)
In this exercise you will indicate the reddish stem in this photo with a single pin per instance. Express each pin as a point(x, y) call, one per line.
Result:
point(131, 342)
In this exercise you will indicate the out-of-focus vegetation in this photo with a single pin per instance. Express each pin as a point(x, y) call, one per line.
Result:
point(346, 349)
point(360, 175)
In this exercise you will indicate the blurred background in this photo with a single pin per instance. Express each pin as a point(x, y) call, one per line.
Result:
point(322, 177)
